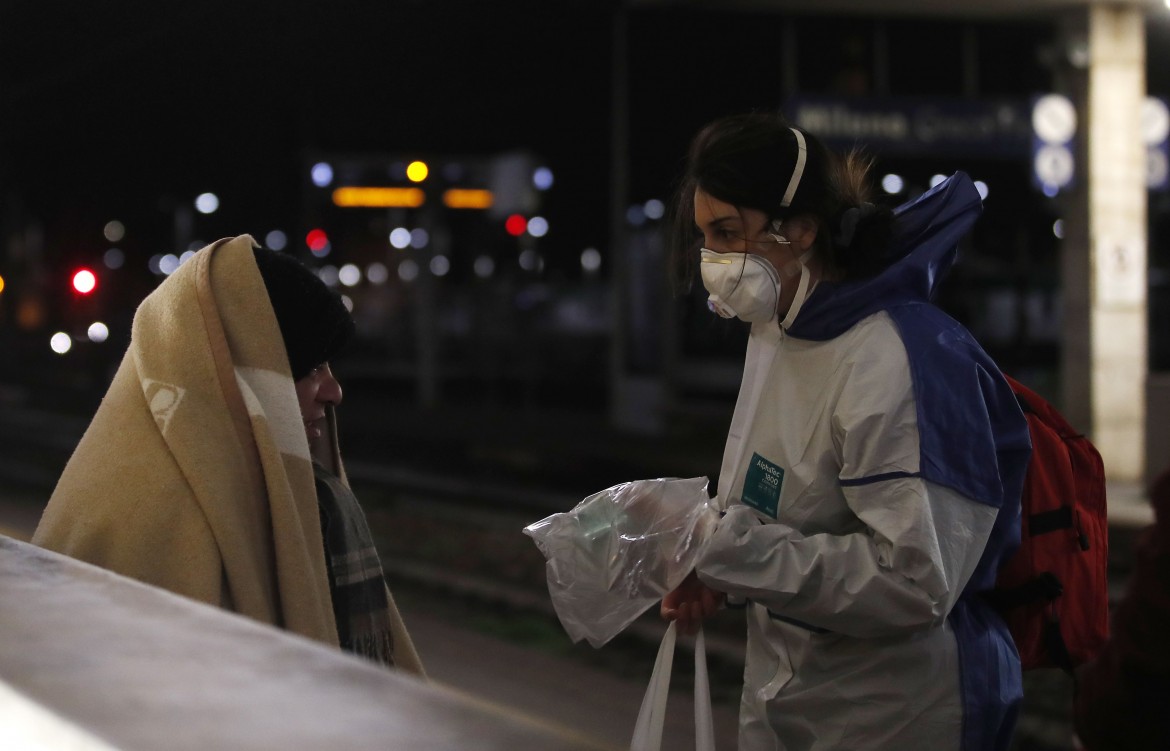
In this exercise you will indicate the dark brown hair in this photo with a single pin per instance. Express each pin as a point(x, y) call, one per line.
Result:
point(748, 160)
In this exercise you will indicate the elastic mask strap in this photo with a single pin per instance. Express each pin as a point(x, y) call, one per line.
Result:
point(797, 171)
point(801, 293)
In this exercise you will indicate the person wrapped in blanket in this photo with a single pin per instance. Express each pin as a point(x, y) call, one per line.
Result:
point(872, 475)
point(212, 468)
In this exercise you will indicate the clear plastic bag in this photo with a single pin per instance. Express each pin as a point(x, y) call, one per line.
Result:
point(619, 551)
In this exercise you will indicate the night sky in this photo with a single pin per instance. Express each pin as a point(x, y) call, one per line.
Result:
point(113, 109)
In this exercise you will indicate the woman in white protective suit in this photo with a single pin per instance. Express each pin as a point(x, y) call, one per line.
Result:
point(873, 470)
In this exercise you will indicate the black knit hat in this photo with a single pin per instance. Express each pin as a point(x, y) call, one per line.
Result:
point(314, 322)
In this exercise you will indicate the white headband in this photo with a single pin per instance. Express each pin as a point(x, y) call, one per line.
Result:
point(797, 171)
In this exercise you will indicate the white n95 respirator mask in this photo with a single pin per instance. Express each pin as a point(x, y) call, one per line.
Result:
point(747, 286)
point(741, 285)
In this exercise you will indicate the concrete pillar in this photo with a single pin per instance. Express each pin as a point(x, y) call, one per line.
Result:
point(1117, 232)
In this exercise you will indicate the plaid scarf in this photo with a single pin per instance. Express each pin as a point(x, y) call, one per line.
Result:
point(360, 603)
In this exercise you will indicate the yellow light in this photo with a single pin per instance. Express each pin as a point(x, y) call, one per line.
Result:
point(417, 171)
point(1, 284)
point(357, 197)
point(467, 198)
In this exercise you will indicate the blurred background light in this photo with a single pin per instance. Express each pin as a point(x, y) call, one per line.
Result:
point(98, 332)
point(936, 179)
point(893, 184)
point(84, 281)
point(440, 265)
point(377, 273)
point(515, 225)
point(538, 226)
point(206, 203)
point(113, 258)
point(416, 171)
point(982, 188)
point(318, 242)
point(347, 302)
point(276, 240)
point(153, 264)
point(168, 264)
point(542, 178)
point(114, 231)
point(530, 260)
point(374, 198)
point(60, 342)
point(419, 238)
point(468, 198)
point(400, 237)
point(329, 274)
point(186, 257)
point(654, 209)
point(1058, 225)
point(484, 267)
point(349, 275)
point(590, 260)
point(322, 174)
point(408, 270)
point(636, 215)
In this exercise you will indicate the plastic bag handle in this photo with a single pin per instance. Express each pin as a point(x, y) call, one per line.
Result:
point(652, 716)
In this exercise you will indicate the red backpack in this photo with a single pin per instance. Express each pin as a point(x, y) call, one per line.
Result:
point(1053, 592)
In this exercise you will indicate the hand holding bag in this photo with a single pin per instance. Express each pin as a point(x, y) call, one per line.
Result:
point(652, 716)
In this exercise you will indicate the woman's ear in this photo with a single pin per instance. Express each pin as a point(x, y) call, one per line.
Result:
point(801, 231)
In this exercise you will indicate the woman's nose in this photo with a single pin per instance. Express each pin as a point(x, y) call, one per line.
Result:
point(330, 388)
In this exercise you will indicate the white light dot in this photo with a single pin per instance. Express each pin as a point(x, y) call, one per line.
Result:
point(590, 260)
point(654, 209)
point(542, 178)
point(936, 179)
point(530, 260)
point(538, 226)
point(419, 238)
point(168, 264)
point(61, 342)
point(322, 251)
point(195, 245)
point(322, 174)
point(329, 275)
point(636, 215)
point(400, 237)
point(114, 258)
point(893, 184)
point(349, 274)
point(206, 203)
point(1050, 190)
point(276, 240)
point(98, 332)
point(484, 267)
point(114, 231)
point(186, 256)
point(440, 265)
point(155, 264)
point(377, 273)
point(408, 270)
point(982, 188)
point(347, 302)
point(1058, 229)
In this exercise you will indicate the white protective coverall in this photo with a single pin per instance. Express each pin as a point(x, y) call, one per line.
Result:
point(851, 553)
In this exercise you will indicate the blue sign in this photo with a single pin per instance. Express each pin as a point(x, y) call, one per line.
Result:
point(903, 126)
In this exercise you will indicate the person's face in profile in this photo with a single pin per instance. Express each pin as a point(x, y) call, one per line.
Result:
point(315, 392)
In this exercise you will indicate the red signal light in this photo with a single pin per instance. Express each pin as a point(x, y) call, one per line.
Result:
point(515, 225)
point(84, 281)
point(316, 240)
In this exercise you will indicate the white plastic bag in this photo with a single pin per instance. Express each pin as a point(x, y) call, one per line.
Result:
point(617, 552)
point(652, 716)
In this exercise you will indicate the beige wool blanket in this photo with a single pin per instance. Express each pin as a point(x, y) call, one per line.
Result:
point(195, 474)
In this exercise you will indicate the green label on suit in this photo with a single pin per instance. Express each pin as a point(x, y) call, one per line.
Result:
point(761, 486)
